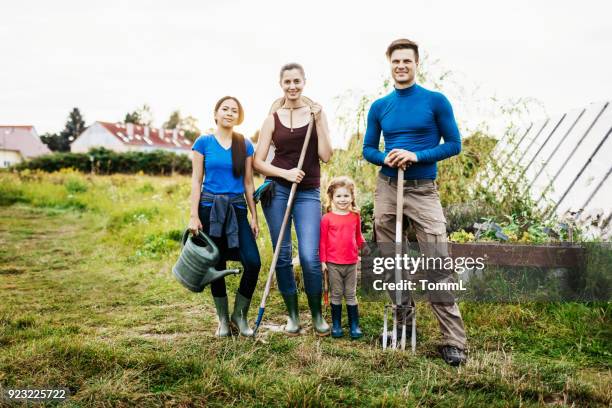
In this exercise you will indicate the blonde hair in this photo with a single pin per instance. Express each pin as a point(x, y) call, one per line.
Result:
point(338, 182)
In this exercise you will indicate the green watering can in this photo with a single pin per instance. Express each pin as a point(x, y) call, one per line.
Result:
point(195, 267)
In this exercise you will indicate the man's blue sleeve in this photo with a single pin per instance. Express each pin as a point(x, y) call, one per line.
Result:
point(447, 126)
point(372, 139)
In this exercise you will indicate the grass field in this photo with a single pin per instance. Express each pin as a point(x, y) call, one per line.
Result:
point(87, 301)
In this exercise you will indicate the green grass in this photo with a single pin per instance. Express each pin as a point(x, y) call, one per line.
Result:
point(87, 301)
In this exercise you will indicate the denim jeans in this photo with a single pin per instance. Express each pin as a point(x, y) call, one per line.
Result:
point(247, 253)
point(306, 215)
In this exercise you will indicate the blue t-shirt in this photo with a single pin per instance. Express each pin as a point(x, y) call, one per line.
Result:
point(218, 175)
point(414, 119)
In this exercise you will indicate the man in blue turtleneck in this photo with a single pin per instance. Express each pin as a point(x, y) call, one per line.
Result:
point(413, 120)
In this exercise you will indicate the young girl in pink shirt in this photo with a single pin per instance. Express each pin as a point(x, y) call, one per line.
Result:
point(339, 245)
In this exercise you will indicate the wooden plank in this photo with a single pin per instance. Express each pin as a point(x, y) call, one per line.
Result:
point(543, 157)
point(602, 199)
point(544, 256)
point(577, 162)
point(596, 219)
point(507, 163)
point(592, 177)
point(565, 150)
point(510, 141)
point(499, 153)
point(538, 143)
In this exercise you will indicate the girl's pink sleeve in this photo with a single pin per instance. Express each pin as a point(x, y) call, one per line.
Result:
point(323, 240)
point(358, 236)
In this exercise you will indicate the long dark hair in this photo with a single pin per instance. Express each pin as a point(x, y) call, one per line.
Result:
point(238, 144)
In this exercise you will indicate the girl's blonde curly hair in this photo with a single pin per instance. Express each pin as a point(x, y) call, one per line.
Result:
point(334, 184)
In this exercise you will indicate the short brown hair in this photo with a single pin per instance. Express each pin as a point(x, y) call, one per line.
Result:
point(403, 43)
point(290, 66)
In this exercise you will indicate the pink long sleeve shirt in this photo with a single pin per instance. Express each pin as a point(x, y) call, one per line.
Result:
point(340, 238)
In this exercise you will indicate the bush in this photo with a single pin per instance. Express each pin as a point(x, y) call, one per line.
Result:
point(10, 195)
point(108, 162)
point(74, 186)
point(456, 175)
point(140, 215)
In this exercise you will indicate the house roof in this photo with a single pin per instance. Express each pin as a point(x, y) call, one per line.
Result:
point(23, 139)
point(24, 127)
point(155, 137)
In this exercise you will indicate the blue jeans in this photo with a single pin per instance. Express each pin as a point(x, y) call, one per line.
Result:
point(306, 215)
point(247, 253)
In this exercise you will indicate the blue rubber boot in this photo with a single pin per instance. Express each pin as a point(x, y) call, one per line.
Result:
point(336, 312)
point(353, 317)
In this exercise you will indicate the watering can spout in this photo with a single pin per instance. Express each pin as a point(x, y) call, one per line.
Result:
point(213, 275)
point(195, 267)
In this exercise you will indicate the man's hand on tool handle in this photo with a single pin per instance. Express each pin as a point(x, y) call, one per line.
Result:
point(400, 158)
point(294, 175)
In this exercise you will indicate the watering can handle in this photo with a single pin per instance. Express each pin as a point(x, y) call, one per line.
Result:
point(200, 234)
point(185, 237)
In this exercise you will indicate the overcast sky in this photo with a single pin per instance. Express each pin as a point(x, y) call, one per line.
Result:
point(109, 57)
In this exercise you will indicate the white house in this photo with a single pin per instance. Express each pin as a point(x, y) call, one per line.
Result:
point(124, 137)
point(18, 143)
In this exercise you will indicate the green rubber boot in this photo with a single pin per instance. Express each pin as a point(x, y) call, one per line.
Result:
point(293, 320)
point(223, 315)
point(239, 315)
point(319, 324)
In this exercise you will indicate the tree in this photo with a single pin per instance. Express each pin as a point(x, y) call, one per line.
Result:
point(188, 124)
point(60, 142)
point(74, 126)
point(174, 121)
point(141, 116)
point(53, 142)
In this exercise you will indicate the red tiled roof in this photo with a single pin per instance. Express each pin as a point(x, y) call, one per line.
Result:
point(22, 139)
point(155, 138)
point(24, 127)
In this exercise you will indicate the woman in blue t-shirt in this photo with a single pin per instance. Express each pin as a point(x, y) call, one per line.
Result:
point(223, 161)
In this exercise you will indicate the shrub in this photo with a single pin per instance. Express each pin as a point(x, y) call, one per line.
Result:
point(104, 161)
point(74, 186)
point(11, 194)
point(141, 215)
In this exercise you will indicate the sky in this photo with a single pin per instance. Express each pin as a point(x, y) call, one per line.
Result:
point(110, 57)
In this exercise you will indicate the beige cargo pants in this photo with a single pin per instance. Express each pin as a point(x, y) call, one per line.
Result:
point(422, 206)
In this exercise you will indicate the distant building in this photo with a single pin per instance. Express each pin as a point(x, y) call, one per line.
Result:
point(18, 143)
point(125, 137)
